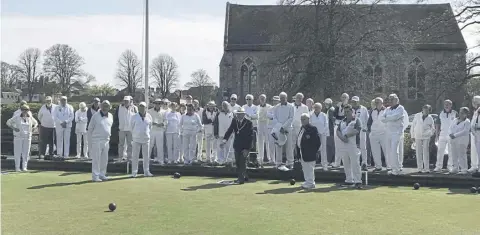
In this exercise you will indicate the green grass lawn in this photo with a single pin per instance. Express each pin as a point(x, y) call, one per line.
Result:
point(67, 203)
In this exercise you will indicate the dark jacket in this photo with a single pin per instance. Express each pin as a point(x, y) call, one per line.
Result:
point(90, 114)
point(243, 134)
point(309, 144)
point(205, 120)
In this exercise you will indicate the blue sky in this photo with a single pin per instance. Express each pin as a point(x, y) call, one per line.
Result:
point(100, 30)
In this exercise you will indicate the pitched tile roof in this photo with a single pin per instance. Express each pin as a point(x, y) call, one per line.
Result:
point(260, 26)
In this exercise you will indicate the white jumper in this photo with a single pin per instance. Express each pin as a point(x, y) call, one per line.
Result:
point(320, 121)
point(190, 125)
point(141, 125)
point(445, 120)
point(99, 132)
point(283, 115)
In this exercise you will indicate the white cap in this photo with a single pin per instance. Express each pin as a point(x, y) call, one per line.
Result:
point(211, 103)
point(127, 98)
point(276, 98)
point(166, 100)
point(63, 97)
point(355, 98)
point(233, 96)
point(106, 102)
point(48, 98)
point(142, 104)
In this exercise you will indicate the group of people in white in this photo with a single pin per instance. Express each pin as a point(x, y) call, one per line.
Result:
point(277, 126)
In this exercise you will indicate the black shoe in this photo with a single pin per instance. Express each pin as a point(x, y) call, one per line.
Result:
point(246, 179)
point(239, 181)
point(364, 168)
point(358, 186)
point(346, 184)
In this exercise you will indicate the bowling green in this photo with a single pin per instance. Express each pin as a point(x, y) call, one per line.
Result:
point(53, 203)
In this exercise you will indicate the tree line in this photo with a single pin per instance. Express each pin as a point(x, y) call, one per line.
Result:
point(59, 70)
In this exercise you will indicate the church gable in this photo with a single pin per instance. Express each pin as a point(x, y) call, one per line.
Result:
point(261, 27)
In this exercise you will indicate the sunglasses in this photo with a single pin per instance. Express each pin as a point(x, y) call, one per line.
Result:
point(233, 99)
point(249, 99)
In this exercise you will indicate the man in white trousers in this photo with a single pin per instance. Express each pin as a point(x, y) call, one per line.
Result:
point(283, 115)
point(443, 123)
point(99, 132)
point(123, 117)
point(141, 125)
point(199, 137)
point(158, 130)
point(63, 126)
point(401, 146)
point(347, 147)
point(377, 130)
point(475, 136)
point(361, 113)
point(319, 120)
point(221, 123)
point(393, 117)
point(339, 116)
point(300, 109)
point(263, 131)
point(208, 118)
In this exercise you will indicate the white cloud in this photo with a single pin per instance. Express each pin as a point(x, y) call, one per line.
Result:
point(194, 41)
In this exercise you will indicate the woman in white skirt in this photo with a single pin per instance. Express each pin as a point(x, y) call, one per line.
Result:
point(23, 126)
point(172, 132)
point(459, 135)
point(81, 120)
point(190, 126)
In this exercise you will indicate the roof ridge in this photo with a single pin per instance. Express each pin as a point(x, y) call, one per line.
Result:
point(380, 4)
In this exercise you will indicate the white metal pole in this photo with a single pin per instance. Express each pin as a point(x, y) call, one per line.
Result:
point(145, 66)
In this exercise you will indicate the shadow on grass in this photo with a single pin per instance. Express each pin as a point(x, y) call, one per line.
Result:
point(292, 189)
point(74, 183)
point(71, 173)
point(298, 189)
point(6, 172)
point(205, 186)
point(277, 182)
point(456, 191)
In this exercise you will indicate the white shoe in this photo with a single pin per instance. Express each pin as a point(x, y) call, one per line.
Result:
point(325, 168)
point(437, 170)
point(451, 172)
point(419, 170)
point(96, 180)
point(425, 171)
point(148, 174)
point(473, 170)
point(24, 169)
point(134, 175)
point(304, 186)
point(283, 168)
point(78, 156)
point(462, 173)
point(393, 173)
point(18, 170)
point(103, 178)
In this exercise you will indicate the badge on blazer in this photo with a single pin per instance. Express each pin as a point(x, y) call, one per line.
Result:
point(307, 136)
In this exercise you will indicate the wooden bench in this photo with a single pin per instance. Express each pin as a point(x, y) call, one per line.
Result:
point(7, 142)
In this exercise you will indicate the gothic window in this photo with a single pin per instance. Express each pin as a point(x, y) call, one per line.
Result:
point(373, 77)
point(248, 74)
point(253, 78)
point(416, 79)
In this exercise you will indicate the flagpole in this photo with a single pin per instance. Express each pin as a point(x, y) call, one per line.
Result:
point(145, 60)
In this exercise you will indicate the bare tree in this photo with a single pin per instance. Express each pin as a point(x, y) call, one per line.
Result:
point(164, 71)
point(322, 35)
point(202, 80)
point(10, 75)
point(129, 71)
point(63, 63)
point(28, 62)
